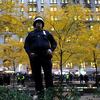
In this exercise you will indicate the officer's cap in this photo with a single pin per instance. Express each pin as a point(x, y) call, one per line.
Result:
point(38, 19)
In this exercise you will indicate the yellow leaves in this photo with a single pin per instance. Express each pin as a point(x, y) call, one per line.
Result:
point(15, 43)
point(94, 38)
point(13, 50)
point(6, 63)
point(10, 18)
point(14, 21)
point(54, 19)
point(13, 24)
point(7, 6)
point(77, 12)
point(68, 30)
point(96, 30)
point(10, 22)
point(23, 7)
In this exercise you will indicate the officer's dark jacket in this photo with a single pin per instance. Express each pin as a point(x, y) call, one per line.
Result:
point(37, 41)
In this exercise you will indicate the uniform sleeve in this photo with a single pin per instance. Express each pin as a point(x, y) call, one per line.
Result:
point(52, 41)
point(27, 44)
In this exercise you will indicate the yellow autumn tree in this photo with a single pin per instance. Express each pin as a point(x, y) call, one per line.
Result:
point(66, 24)
point(12, 53)
point(90, 41)
point(12, 23)
point(11, 19)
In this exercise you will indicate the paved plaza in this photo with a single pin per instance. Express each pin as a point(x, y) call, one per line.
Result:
point(89, 97)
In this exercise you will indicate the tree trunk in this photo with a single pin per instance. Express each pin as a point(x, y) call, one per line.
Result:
point(14, 73)
point(61, 77)
point(95, 64)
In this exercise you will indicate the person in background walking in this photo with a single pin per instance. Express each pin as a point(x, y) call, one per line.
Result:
point(21, 79)
point(39, 45)
point(81, 78)
point(67, 78)
point(1, 79)
point(86, 79)
point(70, 77)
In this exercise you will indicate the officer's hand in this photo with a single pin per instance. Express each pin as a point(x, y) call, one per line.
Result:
point(32, 54)
point(49, 52)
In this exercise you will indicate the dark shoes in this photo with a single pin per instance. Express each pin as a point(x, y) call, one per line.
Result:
point(44, 95)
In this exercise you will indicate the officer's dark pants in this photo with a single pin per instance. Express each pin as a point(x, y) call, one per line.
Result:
point(36, 63)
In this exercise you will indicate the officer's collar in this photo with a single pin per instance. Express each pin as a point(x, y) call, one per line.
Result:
point(36, 30)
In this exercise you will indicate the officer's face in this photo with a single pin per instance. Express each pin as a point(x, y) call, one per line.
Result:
point(38, 25)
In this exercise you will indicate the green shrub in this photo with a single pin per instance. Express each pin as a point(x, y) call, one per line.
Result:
point(60, 93)
point(13, 94)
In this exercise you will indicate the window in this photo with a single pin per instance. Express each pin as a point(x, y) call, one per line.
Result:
point(53, 1)
point(88, 1)
point(77, 1)
point(98, 18)
point(42, 1)
point(0, 1)
point(97, 9)
point(32, 0)
point(32, 9)
point(22, 9)
point(13, 1)
point(64, 1)
point(52, 29)
point(97, 1)
point(22, 1)
point(91, 27)
point(7, 39)
point(7, 29)
point(29, 17)
point(54, 18)
point(75, 17)
point(90, 18)
point(1, 39)
point(42, 8)
point(87, 18)
point(53, 8)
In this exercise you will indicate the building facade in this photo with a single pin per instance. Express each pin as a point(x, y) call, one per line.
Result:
point(33, 6)
point(29, 8)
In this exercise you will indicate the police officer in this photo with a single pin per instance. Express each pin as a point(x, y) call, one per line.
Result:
point(39, 45)
point(21, 79)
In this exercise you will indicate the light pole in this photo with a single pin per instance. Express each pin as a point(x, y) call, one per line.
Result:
point(94, 56)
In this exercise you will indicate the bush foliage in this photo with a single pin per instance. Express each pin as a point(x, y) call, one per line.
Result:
point(13, 94)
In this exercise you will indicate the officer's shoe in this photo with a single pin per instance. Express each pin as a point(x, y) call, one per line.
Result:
point(40, 95)
point(35, 97)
